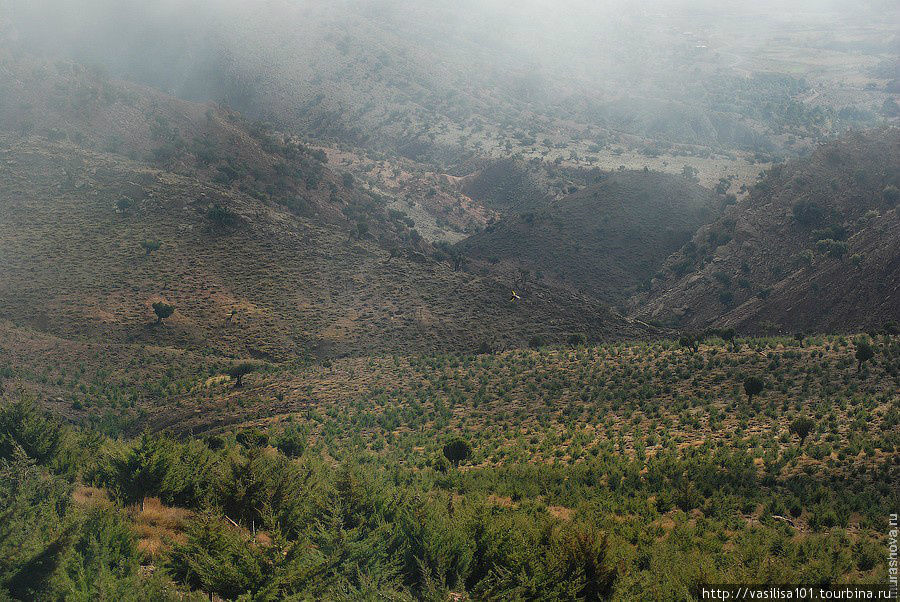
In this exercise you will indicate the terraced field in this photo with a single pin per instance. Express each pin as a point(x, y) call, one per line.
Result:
point(567, 404)
point(631, 469)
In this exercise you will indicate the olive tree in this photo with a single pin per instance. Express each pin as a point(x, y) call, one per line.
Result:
point(864, 352)
point(238, 371)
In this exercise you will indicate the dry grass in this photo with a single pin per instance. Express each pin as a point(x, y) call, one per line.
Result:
point(158, 526)
point(86, 497)
point(561, 512)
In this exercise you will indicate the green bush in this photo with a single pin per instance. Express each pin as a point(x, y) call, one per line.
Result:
point(536, 342)
point(457, 450)
point(753, 385)
point(219, 560)
point(150, 246)
point(801, 427)
point(220, 216)
point(162, 310)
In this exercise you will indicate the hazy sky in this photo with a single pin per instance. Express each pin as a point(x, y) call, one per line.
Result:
point(354, 51)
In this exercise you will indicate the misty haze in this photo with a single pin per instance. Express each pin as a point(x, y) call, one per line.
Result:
point(449, 300)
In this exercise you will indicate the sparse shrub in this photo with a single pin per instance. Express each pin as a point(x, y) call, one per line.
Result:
point(833, 232)
point(214, 442)
point(440, 463)
point(291, 442)
point(220, 216)
point(806, 257)
point(868, 554)
point(150, 246)
point(869, 216)
point(485, 348)
point(690, 173)
point(359, 230)
point(252, 438)
point(537, 341)
point(832, 248)
point(576, 340)
point(809, 213)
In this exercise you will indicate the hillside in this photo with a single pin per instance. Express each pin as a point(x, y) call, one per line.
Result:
point(75, 268)
point(63, 101)
point(814, 247)
point(494, 476)
point(245, 220)
point(447, 82)
point(605, 240)
point(448, 301)
point(508, 186)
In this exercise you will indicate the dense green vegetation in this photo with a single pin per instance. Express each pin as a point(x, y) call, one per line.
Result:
point(601, 491)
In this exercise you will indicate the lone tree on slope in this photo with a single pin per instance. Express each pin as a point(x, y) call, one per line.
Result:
point(150, 246)
point(162, 310)
point(457, 450)
point(690, 341)
point(864, 352)
point(753, 386)
point(238, 371)
point(801, 427)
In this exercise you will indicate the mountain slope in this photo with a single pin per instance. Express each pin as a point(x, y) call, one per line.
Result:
point(605, 240)
point(437, 81)
point(263, 250)
point(815, 246)
point(66, 101)
point(74, 267)
point(508, 186)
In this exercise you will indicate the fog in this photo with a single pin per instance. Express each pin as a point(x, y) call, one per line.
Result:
point(285, 60)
